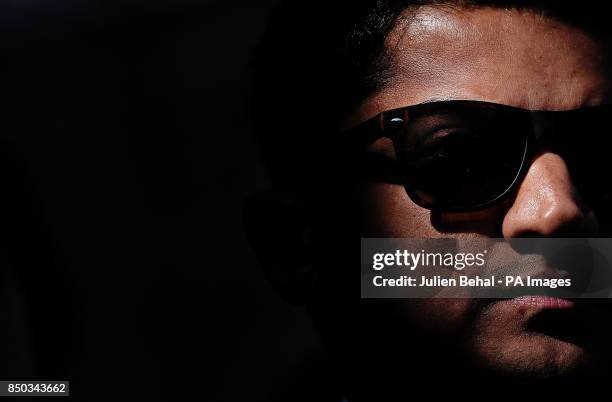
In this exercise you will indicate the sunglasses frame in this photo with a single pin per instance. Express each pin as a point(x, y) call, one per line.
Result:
point(389, 123)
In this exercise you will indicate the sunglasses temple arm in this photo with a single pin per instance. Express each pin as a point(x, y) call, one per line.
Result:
point(366, 133)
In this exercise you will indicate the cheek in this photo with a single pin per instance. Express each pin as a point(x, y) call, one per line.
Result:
point(436, 317)
point(387, 211)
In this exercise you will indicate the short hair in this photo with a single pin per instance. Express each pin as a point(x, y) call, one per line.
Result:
point(318, 60)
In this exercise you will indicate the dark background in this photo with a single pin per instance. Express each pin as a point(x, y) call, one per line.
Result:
point(130, 156)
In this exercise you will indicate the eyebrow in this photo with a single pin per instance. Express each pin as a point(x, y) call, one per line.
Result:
point(439, 99)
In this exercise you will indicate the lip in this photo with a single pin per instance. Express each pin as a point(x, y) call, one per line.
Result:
point(543, 302)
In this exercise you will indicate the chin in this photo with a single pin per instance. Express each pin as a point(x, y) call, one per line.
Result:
point(506, 342)
point(531, 356)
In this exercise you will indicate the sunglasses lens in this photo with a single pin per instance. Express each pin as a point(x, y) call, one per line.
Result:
point(583, 141)
point(462, 158)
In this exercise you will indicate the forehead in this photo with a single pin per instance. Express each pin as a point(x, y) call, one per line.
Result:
point(515, 57)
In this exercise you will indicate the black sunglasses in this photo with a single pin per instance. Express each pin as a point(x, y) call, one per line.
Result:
point(462, 156)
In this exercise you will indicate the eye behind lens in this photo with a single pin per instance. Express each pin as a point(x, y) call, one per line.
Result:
point(463, 167)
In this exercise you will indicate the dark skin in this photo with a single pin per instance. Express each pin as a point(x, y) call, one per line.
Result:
point(514, 57)
point(517, 58)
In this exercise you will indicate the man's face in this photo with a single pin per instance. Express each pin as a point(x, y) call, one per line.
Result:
point(517, 58)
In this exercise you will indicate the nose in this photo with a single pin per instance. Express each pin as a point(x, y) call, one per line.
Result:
point(547, 203)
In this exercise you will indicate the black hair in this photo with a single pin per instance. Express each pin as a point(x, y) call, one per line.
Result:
point(318, 60)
